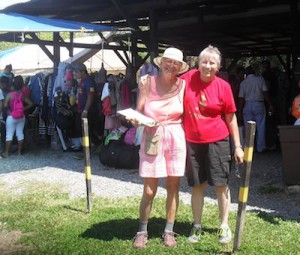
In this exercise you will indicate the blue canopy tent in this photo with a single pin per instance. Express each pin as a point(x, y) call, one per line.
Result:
point(15, 22)
point(27, 24)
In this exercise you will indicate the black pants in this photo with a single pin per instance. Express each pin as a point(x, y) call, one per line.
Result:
point(95, 126)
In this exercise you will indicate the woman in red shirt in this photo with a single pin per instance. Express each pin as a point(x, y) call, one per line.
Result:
point(209, 120)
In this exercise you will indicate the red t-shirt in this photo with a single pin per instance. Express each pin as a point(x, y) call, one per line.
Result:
point(205, 105)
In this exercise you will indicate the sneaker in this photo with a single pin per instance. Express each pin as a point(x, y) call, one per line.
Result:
point(169, 239)
point(195, 235)
point(140, 240)
point(224, 235)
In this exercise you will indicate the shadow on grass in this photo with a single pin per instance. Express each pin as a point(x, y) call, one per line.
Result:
point(126, 228)
point(75, 209)
point(215, 251)
point(267, 217)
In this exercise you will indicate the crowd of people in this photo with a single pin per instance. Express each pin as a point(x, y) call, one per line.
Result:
point(56, 103)
point(12, 122)
point(199, 115)
point(264, 96)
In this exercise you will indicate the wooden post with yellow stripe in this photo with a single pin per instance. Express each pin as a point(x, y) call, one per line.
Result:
point(87, 162)
point(244, 188)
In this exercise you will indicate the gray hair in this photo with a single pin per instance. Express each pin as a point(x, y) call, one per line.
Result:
point(211, 52)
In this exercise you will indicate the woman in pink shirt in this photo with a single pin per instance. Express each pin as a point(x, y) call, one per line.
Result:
point(163, 150)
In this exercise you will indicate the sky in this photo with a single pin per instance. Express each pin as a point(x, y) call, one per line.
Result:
point(6, 3)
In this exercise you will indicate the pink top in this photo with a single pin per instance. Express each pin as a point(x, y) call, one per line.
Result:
point(167, 108)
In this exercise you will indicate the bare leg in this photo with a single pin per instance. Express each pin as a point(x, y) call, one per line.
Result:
point(150, 188)
point(172, 185)
point(223, 195)
point(198, 202)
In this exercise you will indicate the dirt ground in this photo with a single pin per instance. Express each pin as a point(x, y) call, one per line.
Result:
point(8, 242)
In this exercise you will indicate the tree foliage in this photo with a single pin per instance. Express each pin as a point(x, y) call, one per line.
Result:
point(48, 36)
point(8, 45)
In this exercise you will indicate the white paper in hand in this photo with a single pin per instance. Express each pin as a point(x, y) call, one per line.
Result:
point(133, 114)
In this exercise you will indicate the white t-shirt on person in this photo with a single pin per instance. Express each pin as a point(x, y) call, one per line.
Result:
point(252, 88)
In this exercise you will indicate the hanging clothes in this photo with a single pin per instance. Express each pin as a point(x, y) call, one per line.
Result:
point(102, 74)
point(36, 85)
point(126, 95)
point(105, 98)
point(64, 77)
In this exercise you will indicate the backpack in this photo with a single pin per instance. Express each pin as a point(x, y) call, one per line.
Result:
point(18, 108)
point(119, 155)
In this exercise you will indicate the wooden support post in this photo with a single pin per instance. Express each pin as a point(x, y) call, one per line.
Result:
point(56, 49)
point(87, 163)
point(153, 34)
point(244, 188)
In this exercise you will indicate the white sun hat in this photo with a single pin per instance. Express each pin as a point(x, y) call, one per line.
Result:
point(175, 54)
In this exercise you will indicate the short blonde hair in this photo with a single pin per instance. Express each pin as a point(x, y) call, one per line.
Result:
point(211, 52)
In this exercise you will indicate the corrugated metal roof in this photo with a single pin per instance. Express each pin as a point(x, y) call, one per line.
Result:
point(237, 28)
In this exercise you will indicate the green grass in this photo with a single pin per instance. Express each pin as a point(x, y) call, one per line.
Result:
point(52, 223)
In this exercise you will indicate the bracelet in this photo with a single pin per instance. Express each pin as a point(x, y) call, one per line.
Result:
point(239, 146)
point(85, 111)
